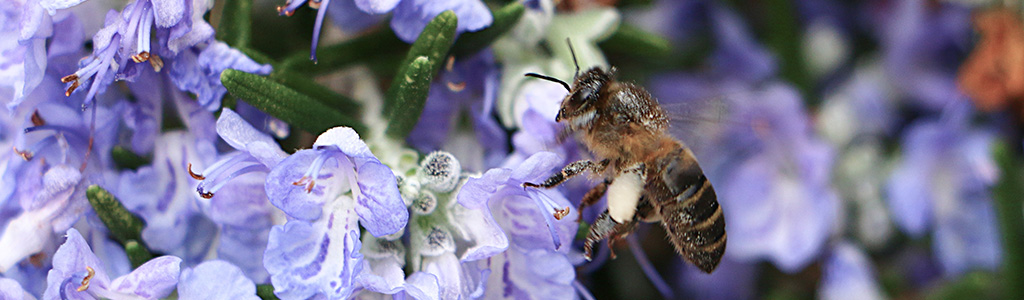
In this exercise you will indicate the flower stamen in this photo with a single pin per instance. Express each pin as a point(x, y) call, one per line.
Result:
point(73, 78)
point(193, 174)
point(26, 155)
point(561, 213)
point(456, 86)
point(156, 62)
point(141, 57)
point(87, 279)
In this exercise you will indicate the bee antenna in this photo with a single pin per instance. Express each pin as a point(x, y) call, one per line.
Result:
point(549, 78)
point(573, 52)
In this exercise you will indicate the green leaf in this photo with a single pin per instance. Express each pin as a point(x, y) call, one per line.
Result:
point(1011, 219)
point(285, 103)
point(631, 40)
point(377, 43)
point(433, 43)
point(504, 20)
point(126, 159)
point(410, 95)
point(308, 86)
point(123, 225)
point(137, 253)
point(235, 27)
point(265, 292)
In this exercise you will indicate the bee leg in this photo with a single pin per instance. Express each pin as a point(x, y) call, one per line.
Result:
point(570, 171)
point(605, 227)
point(591, 197)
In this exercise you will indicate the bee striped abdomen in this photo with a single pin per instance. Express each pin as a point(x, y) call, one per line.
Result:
point(692, 216)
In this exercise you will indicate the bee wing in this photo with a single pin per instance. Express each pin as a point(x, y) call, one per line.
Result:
point(714, 124)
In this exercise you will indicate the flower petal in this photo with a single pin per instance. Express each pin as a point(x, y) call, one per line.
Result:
point(308, 259)
point(380, 206)
point(154, 279)
point(242, 136)
point(215, 279)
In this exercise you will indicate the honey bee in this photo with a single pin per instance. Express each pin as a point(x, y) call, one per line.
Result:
point(648, 175)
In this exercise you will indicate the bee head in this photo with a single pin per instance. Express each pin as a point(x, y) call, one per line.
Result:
point(578, 108)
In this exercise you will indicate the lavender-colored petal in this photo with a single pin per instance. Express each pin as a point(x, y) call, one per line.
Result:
point(244, 247)
point(478, 226)
point(346, 14)
point(10, 289)
point(167, 13)
point(52, 6)
point(446, 269)
point(70, 259)
point(345, 140)
point(29, 232)
point(376, 6)
point(477, 190)
point(738, 54)
point(411, 16)
point(423, 286)
point(242, 136)
point(310, 259)
point(215, 279)
point(154, 279)
point(379, 204)
point(536, 167)
point(848, 275)
point(294, 200)
point(530, 274)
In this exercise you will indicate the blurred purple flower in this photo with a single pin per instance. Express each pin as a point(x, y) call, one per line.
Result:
point(942, 183)
point(467, 89)
point(25, 31)
point(535, 264)
point(317, 252)
point(78, 274)
point(731, 280)
point(848, 274)
point(766, 164)
point(10, 289)
point(923, 45)
point(215, 279)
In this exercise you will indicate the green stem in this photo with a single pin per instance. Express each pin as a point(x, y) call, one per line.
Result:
point(235, 27)
point(1008, 193)
point(784, 39)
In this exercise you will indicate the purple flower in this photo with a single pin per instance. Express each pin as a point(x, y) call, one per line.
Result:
point(466, 89)
point(764, 160)
point(231, 193)
point(731, 280)
point(10, 289)
point(411, 16)
point(848, 275)
point(327, 190)
point(535, 263)
point(78, 274)
point(27, 28)
point(124, 43)
point(920, 44)
point(200, 74)
point(173, 223)
point(942, 183)
point(409, 19)
point(215, 279)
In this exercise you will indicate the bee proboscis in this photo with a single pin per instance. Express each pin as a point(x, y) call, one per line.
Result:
point(648, 174)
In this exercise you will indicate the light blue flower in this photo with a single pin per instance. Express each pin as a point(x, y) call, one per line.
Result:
point(78, 274)
point(536, 262)
point(327, 191)
point(942, 184)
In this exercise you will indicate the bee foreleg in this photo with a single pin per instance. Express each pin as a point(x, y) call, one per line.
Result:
point(603, 228)
point(592, 197)
point(570, 171)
